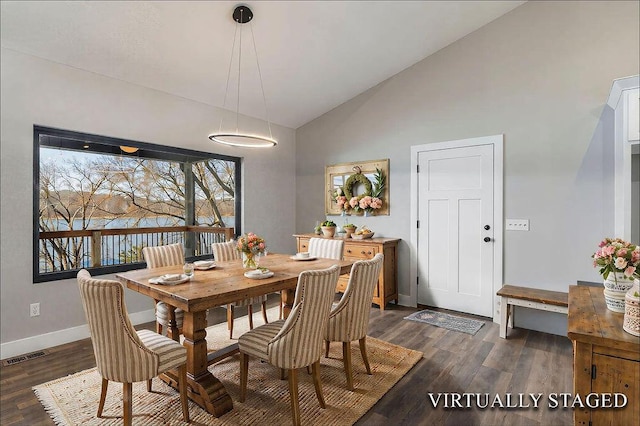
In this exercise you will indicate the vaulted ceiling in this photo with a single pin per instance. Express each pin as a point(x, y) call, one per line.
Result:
point(313, 55)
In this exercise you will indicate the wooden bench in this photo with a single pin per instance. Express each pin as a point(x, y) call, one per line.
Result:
point(545, 300)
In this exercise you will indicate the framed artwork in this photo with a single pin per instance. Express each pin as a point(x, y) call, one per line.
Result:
point(357, 188)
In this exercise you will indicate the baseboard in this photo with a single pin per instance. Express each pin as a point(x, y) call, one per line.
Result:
point(405, 300)
point(60, 337)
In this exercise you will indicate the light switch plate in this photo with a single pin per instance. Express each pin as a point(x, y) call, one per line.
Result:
point(517, 224)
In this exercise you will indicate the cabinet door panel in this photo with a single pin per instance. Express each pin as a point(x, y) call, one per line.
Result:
point(616, 375)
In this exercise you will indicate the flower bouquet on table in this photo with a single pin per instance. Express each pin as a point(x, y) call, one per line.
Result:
point(252, 247)
point(619, 263)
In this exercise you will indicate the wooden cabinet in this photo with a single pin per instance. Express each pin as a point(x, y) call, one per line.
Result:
point(387, 288)
point(606, 359)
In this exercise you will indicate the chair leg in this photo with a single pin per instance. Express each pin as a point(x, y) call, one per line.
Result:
point(250, 315)
point(230, 320)
point(127, 402)
point(282, 374)
point(182, 372)
point(103, 396)
point(264, 312)
point(293, 395)
point(326, 349)
point(315, 367)
point(149, 385)
point(363, 351)
point(244, 375)
point(346, 359)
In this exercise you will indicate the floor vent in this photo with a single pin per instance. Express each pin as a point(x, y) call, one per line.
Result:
point(17, 359)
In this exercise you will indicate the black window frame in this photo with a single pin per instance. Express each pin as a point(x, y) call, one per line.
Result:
point(110, 145)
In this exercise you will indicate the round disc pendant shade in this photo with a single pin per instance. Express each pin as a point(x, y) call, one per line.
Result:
point(245, 141)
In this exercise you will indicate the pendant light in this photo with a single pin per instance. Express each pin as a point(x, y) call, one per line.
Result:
point(242, 15)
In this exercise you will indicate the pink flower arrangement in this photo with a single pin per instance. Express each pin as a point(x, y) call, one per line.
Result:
point(616, 255)
point(251, 243)
point(341, 200)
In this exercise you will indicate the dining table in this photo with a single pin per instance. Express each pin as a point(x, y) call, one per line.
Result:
point(218, 286)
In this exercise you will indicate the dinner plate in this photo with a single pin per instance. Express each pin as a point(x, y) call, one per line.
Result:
point(303, 258)
point(258, 274)
point(170, 280)
point(203, 265)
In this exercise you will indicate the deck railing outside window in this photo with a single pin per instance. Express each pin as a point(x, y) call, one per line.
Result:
point(71, 250)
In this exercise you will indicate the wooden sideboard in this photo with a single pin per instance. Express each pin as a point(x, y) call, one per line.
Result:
point(606, 359)
point(387, 288)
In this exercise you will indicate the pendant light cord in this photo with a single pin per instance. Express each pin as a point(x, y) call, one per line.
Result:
point(239, 63)
point(226, 89)
point(264, 98)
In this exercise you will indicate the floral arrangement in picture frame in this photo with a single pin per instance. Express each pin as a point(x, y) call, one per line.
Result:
point(357, 188)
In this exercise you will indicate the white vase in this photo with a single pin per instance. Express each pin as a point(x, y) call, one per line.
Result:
point(616, 282)
point(631, 323)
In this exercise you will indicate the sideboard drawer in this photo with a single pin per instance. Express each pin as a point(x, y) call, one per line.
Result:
point(357, 251)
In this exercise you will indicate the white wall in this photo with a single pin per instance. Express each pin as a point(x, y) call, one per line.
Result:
point(541, 76)
point(36, 91)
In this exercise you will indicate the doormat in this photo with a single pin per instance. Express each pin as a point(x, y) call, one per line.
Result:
point(450, 322)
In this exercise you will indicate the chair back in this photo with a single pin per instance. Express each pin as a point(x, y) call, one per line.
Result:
point(327, 248)
point(299, 342)
point(120, 354)
point(349, 319)
point(167, 255)
point(225, 251)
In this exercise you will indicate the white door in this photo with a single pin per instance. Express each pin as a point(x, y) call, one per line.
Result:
point(455, 235)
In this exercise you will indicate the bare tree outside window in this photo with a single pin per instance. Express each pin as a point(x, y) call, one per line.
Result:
point(87, 194)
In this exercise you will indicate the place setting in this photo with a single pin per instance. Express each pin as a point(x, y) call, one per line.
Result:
point(259, 274)
point(303, 256)
point(170, 279)
point(203, 265)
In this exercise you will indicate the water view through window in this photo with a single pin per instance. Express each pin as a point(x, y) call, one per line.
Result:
point(100, 203)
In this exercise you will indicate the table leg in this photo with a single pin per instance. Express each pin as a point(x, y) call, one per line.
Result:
point(172, 328)
point(204, 388)
point(288, 296)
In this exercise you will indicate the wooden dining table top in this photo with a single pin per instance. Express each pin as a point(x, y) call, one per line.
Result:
point(226, 282)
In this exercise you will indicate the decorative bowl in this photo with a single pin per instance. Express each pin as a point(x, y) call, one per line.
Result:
point(362, 236)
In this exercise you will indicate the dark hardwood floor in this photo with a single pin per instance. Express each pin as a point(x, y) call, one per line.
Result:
point(528, 362)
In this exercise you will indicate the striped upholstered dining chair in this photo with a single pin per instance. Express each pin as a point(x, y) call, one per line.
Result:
point(295, 342)
point(325, 247)
point(228, 251)
point(349, 319)
point(157, 257)
point(123, 354)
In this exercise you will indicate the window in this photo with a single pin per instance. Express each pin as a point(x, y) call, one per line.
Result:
point(99, 200)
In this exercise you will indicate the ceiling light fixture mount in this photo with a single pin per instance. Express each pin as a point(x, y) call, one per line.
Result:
point(242, 15)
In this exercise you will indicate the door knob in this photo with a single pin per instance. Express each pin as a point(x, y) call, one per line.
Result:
point(487, 227)
point(487, 239)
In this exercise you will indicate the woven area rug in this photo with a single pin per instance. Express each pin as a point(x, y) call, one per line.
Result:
point(73, 400)
point(448, 321)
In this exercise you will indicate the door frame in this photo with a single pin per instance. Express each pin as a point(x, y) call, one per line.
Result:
point(497, 141)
